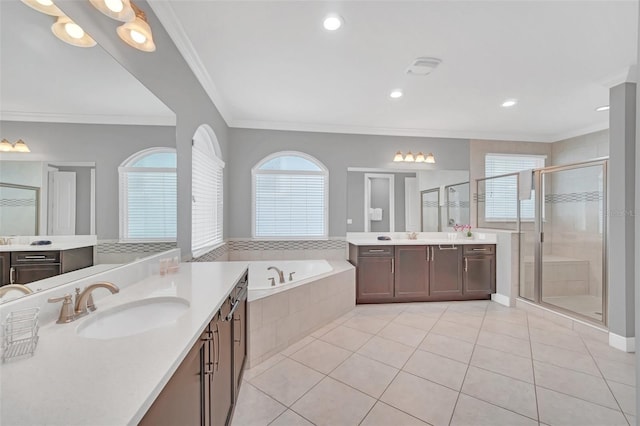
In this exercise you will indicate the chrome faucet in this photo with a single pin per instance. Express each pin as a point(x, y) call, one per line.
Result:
point(19, 287)
point(280, 274)
point(84, 300)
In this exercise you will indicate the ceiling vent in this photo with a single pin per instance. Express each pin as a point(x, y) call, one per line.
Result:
point(423, 66)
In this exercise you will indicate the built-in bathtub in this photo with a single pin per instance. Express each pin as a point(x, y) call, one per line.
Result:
point(319, 292)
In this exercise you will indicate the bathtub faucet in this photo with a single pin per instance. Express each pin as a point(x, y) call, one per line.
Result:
point(280, 273)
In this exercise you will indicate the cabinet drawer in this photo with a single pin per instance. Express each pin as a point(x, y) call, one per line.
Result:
point(376, 251)
point(470, 249)
point(28, 257)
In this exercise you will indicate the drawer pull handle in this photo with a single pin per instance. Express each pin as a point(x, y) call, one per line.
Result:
point(35, 257)
point(376, 250)
point(479, 249)
point(453, 247)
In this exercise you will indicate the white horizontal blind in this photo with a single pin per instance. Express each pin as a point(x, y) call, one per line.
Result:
point(207, 201)
point(290, 204)
point(149, 204)
point(502, 193)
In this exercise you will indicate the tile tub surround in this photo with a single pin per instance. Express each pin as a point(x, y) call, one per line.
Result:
point(76, 381)
point(279, 319)
point(405, 364)
point(334, 248)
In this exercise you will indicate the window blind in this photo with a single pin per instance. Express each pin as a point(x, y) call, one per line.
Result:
point(502, 193)
point(207, 201)
point(290, 204)
point(149, 204)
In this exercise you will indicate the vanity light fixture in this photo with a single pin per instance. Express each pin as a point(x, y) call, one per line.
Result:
point(137, 33)
point(332, 22)
point(44, 6)
point(120, 10)
point(411, 158)
point(19, 146)
point(70, 32)
point(603, 108)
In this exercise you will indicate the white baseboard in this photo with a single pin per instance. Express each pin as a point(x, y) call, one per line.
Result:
point(501, 299)
point(626, 344)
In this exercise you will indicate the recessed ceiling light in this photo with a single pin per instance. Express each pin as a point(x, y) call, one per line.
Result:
point(603, 108)
point(332, 22)
point(396, 94)
point(509, 103)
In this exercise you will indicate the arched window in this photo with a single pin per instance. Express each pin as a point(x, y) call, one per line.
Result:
point(147, 185)
point(206, 190)
point(290, 196)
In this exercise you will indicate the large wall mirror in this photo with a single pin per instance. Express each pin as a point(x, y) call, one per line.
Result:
point(386, 201)
point(82, 115)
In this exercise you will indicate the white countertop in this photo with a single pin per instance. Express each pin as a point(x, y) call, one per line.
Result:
point(55, 246)
point(419, 242)
point(76, 381)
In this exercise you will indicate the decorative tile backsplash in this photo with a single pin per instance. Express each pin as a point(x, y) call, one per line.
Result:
point(218, 253)
point(245, 245)
point(113, 246)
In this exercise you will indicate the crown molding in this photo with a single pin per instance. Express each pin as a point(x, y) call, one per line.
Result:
point(387, 131)
point(45, 117)
point(167, 16)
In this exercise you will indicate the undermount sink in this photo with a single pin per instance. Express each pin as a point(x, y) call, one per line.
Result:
point(133, 318)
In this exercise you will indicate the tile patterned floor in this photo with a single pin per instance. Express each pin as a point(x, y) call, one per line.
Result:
point(458, 363)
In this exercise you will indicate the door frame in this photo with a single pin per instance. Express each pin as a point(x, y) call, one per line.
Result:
point(367, 199)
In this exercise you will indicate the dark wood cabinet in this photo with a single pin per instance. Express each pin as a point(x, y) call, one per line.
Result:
point(25, 274)
point(204, 388)
point(5, 262)
point(445, 274)
point(406, 273)
point(411, 273)
point(479, 270)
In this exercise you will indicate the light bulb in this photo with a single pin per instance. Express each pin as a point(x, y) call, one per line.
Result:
point(138, 37)
point(420, 158)
point(114, 5)
point(409, 158)
point(74, 30)
point(398, 157)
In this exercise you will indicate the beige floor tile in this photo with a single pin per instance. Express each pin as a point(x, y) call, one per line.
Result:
point(562, 340)
point(469, 319)
point(430, 309)
point(324, 330)
point(507, 328)
point(447, 347)
point(385, 415)
point(386, 351)
point(455, 330)
point(287, 381)
point(290, 418)
point(347, 338)
point(606, 352)
point(574, 383)
point(504, 343)
point(421, 398)
point(503, 363)
point(368, 324)
point(262, 367)
point(366, 375)
point(333, 403)
point(540, 323)
point(436, 368)
point(620, 372)
point(297, 346)
point(415, 320)
point(321, 356)
point(255, 408)
point(509, 315)
point(559, 409)
point(473, 412)
point(470, 306)
point(500, 390)
point(631, 419)
point(626, 397)
point(400, 333)
point(566, 358)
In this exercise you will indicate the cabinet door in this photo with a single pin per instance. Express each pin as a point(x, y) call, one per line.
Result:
point(479, 275)
point(239, 344)
point(25, 274)
point(445, 277)
point(4, 268)
point(411, 273)
point(181, 400)
point(221, 388)
point(374, 279)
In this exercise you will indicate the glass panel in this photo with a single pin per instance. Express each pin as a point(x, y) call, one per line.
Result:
point(290, 162)
point(430, 210)
point(528, 239)
point(457, 202)
point(498, 203)
point(19, 210)
point(572, 251)
point(157, 159)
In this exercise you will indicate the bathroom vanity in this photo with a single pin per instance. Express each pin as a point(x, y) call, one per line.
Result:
point(422, 270)
point(23, 264)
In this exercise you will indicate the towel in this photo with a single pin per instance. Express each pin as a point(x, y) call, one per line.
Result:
point(441, 196)
point(375, 214)
point(525, 181)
